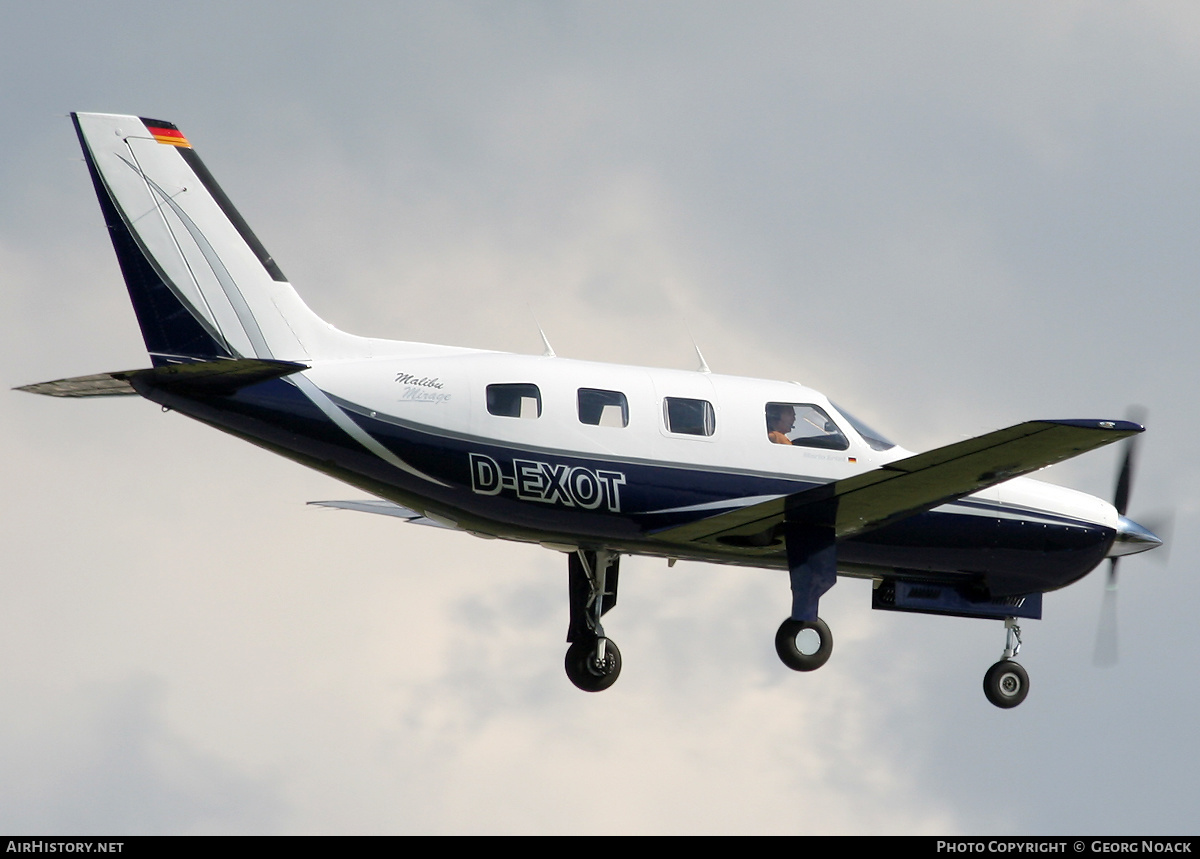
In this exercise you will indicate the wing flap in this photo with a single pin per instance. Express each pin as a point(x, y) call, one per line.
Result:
point(909, 486)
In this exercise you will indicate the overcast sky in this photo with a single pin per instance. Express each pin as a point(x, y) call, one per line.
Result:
point(949, 217)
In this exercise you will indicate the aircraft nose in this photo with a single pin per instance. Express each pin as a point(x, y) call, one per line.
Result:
point(1132, 538)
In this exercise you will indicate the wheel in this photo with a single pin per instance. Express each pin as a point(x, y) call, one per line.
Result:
point(804, 645)
point(586, 672)
point(1006, 684)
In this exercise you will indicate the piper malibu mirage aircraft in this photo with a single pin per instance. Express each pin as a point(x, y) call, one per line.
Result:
point(594, 460)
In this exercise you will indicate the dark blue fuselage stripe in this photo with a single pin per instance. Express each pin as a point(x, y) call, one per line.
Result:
point(1011, 555)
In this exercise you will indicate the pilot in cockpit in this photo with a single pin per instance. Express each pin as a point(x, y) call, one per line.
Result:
point(781, 420)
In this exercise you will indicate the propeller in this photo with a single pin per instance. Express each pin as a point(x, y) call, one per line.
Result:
point(1105, 654)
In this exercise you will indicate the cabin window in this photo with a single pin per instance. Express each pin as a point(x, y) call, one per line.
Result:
point(689, 417)
point(514, 401)
point(803, 425)
point(603, 408)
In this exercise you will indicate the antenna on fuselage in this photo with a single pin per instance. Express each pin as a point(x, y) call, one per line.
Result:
point(549, 350)
point(703, 368)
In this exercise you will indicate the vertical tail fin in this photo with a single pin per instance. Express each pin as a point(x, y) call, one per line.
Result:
point(202, 284)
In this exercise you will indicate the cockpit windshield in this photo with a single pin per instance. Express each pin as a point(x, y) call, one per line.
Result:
point(875, 440)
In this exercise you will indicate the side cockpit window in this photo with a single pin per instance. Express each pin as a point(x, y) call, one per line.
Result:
point(522, 400)
point(603, 408)
point(689, 417)
point(804, 425)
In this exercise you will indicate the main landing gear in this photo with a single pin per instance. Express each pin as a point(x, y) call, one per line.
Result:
point(593, 661)
point(1006, 683)
point(804, 645)
point(804, 642)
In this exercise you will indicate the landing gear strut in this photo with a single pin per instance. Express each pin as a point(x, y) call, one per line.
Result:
point(593, 661)
point(804, 642)
point(1006, 683)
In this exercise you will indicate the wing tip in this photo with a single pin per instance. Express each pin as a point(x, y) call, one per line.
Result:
point(1092, 423)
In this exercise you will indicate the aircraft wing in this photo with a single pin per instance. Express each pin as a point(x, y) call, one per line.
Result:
point(873, 499)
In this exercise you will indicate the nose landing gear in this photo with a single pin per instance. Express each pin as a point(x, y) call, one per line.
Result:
point(1006, 683)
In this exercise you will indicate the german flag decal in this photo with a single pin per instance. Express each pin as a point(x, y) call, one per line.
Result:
point(166, 132)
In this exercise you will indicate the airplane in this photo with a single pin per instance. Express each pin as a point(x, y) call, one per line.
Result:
point(594, 460)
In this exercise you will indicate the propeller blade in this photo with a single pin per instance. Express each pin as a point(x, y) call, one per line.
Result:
point(1105, 654)
point(1137, 414)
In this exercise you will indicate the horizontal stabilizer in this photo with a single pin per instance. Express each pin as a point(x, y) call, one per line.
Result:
point(202, 378)
point(99, 385)
point(912, 485)
point(385, 508)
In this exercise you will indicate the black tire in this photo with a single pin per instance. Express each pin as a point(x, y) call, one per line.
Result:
point(808, 659)
point(1006, 684)
point(585, 672)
